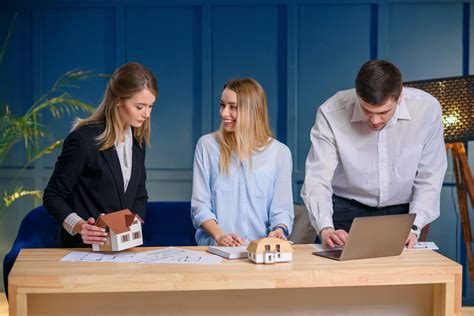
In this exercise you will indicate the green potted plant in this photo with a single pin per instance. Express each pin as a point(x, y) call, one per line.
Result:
point(28, 129)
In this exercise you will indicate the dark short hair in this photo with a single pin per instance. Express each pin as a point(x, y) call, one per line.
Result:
point(377, 81)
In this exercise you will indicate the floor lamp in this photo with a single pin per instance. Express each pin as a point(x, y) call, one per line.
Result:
point(456, 96)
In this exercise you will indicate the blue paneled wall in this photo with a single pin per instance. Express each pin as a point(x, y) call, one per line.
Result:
point(301, 52)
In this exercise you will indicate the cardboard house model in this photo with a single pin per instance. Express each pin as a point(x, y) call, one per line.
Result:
point(124, 231)
point(270, 250)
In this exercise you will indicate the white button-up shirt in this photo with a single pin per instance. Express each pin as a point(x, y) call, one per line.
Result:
point(250, 200)
point(124, 153)
point(405, 162)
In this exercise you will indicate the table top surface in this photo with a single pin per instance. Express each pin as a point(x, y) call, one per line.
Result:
point(41, 271)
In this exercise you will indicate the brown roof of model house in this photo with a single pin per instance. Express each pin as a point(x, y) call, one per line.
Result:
point(258, 246)
point(119, 222)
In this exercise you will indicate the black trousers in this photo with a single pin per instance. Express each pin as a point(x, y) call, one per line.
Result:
point(346, 210)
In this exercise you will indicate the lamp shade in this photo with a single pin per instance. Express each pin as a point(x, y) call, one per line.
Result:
point(456, 95)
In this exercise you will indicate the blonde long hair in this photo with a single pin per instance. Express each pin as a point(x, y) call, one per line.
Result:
point(128, 80)
point(251, 131)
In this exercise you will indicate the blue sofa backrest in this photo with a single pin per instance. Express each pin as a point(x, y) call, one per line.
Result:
point(166, 224)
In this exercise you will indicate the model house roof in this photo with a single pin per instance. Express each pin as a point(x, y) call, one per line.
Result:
point(269, 245)
point(119, 222)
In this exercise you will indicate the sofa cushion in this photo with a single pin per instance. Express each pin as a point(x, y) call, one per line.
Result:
point(168, 224)
point(303, 232)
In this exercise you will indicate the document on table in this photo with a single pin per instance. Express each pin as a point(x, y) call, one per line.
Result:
point(424, 245)
point(89, 256)
point(170, 255)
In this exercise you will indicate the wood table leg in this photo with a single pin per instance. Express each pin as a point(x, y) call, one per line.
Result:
point(447, 297)
point(441, 299)
point(17, 302)
point(458, 294)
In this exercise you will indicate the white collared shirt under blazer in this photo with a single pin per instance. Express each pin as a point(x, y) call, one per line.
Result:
point(405, 162)
point(124, 153)
point(250, 200)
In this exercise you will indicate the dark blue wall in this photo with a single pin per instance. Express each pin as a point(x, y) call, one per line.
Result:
point(300, 51)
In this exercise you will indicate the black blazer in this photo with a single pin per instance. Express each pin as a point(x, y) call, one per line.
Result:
point(89, 182)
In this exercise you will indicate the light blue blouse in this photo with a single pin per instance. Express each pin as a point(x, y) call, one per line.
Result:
point(249, 201)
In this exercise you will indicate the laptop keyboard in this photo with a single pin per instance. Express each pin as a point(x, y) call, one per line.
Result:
point(336, 254)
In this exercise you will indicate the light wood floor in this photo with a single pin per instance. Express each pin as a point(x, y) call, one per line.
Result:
point(3, 305)
point(466, 311)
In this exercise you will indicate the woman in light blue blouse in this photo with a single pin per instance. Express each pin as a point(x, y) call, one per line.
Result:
point(241, 175)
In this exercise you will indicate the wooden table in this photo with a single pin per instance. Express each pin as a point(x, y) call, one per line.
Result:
point(414, 283)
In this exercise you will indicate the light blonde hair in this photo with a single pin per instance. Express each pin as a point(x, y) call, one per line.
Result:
point(252, 130)
point(128, 80)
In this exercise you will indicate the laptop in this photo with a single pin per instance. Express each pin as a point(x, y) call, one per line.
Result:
point(374, 236)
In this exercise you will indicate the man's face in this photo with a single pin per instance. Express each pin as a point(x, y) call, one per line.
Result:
point(377, 116)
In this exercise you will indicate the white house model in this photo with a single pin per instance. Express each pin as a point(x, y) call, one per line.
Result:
point(124, 230)
point(270, 250)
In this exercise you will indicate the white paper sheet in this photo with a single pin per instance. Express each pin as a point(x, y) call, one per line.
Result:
point(170, 255)
point(83, 256)
point(424, 245)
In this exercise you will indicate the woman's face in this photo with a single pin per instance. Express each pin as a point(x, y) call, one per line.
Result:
point(137, 109)
point(228, 110)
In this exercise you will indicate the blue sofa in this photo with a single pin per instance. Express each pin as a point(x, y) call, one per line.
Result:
point(166, 224)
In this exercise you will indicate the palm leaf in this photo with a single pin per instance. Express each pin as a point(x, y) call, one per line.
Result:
point(18, 192)
point(57, 94)
point(27, 128)
point(64, 103)
point(44, 150)
point(9, 34)
point(70, 78)
point(14, 130)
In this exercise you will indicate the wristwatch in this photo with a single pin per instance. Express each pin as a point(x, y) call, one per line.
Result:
point(415, 230)
point(284, 229)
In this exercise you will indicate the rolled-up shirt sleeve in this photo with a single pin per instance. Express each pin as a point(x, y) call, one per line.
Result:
point(201, 208)
point(321, 163)
point(281, 207)
point(430, 175)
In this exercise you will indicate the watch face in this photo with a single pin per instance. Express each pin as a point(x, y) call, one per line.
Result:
point(414, 227)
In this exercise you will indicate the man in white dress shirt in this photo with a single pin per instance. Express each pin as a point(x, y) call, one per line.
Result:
point(377, 149)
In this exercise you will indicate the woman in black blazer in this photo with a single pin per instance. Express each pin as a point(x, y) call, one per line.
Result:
point(101, 168)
